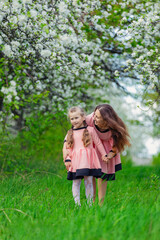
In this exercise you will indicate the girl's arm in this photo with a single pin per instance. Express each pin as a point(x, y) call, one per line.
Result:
point(113, 152)
point(65, 150)
point(68, 164)
point(66, 156)
point(89, 119)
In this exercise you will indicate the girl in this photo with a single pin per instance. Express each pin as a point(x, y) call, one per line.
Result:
point(82, 160)
point(114, 136)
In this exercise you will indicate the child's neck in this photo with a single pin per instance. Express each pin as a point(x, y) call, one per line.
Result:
point(81, 126)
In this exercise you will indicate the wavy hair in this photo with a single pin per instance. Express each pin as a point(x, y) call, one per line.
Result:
point(116, 125)
point(86, 138)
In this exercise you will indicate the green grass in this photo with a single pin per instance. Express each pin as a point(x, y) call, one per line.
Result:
point(39, 206)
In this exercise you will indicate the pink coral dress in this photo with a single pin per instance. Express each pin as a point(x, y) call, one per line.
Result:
point(114, 165)
point(84, 160)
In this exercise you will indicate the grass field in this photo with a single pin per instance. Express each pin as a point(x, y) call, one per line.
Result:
point(39, 206)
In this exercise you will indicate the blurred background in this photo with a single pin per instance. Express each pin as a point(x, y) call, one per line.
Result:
point(54, 55)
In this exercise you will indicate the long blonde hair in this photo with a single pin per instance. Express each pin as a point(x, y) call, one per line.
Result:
point(86, 138)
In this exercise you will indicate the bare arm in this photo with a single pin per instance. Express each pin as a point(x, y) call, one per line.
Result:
point(65, 151)
point(111, 154)
point(66, 157)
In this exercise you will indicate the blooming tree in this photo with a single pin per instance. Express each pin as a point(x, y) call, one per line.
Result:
point(46, 55)
point(52, 51)
point(143, 38)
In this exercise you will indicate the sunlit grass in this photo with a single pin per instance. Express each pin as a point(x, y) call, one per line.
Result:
point(40, 206)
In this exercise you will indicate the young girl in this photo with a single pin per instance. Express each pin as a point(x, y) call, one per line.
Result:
point(82, 160)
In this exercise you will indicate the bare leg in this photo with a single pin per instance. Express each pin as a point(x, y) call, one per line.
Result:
point(88, 181)
point(94, 189)
point(102, 187)
point(76, 191)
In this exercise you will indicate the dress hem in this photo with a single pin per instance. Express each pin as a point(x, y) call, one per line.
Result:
point(80, 173)
point(111, 176)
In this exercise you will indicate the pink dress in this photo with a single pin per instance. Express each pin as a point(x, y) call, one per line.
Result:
point(84, 160)
point(114, 165)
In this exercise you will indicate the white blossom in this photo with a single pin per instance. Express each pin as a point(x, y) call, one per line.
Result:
point(50, 50)
point(17, 98)
point(31, 87)
point(45, 53)
point(62, 7)
point(33, 13)
point(8, 98)
point(129, 61)
point(27, 1)
point(4, 90)
point(7, 50)
point(21, 18)
point(116, 73)
point(13, 83)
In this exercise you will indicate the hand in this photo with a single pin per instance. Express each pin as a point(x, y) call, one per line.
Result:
point(68, 165)
point(105, 159)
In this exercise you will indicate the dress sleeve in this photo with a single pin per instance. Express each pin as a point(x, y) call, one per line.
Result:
point(98, 143)
point(89, 119)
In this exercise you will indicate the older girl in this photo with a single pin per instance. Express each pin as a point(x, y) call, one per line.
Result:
point(114, 136)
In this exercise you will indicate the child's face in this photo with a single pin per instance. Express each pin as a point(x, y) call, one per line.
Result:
point(76, 119)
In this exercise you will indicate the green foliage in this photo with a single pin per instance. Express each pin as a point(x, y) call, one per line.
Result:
point(135, 122)
point(37, 146)
point(156, 159)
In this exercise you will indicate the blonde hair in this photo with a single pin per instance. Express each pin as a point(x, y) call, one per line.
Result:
point(86, 138)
